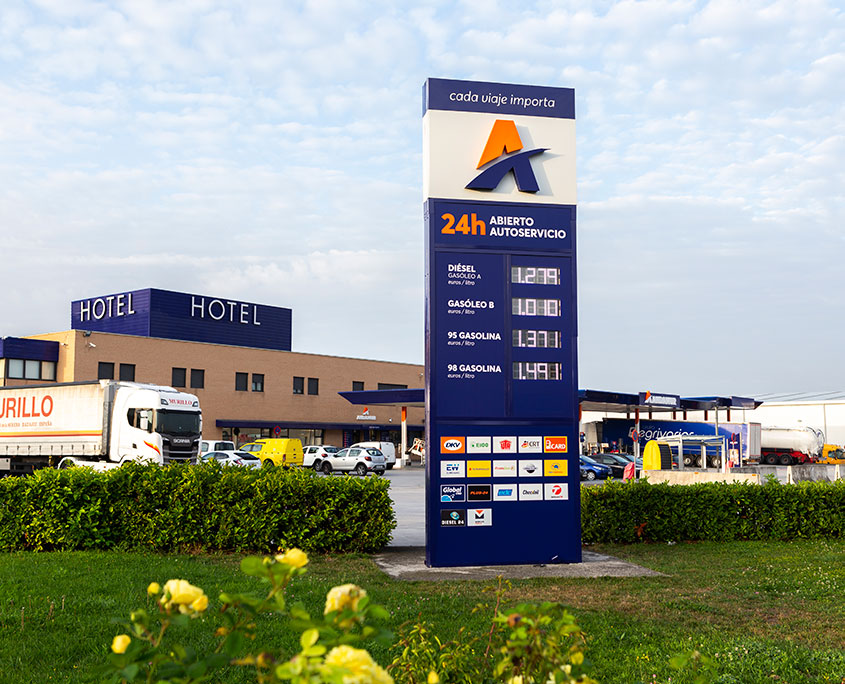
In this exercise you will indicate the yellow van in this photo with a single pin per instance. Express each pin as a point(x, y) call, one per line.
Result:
point(276, 451)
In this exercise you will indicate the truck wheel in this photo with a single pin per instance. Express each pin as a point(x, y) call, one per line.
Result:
point(785, 459)
point(267, 463)
point(771, 459)
point(361, 469)
point(327, 468)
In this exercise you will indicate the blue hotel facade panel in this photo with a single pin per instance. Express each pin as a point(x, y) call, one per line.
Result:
point(182, 316)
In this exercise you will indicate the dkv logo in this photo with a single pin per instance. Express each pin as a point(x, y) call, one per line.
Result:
point(505, 144)
point(452, 445)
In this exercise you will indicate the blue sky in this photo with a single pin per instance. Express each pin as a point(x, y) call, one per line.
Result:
point(271, 152)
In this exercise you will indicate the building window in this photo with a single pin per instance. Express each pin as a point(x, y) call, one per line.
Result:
point(390, 386)
point(357, 386)
point(14, 368)
point(313, 386)
point(48, 370)
point(197, 378)
point(298, 385)
point(257, 382)
point(30, 369)
point(177, 377)
point(105, 371)
point(127, 372)
point(241, 381)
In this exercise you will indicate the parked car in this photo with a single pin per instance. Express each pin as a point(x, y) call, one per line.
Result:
point(207, 445)
point(360, 460)
point(233, 458)
point(313, 455)
point(387, 448)
point(613, 461)
point(591, 470)
point(276, 451)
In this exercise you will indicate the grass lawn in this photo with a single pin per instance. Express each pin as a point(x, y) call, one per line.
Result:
point(765, 612)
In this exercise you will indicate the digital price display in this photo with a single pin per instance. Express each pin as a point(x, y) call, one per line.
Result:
point(502, 480)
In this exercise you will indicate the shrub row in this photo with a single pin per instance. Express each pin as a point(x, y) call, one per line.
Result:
point(184, 507)
point(717, 511)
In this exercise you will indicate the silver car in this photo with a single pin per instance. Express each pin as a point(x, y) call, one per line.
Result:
point(360, 460)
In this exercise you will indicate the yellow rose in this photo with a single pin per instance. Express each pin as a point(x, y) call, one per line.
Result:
point(577, 658)
point(184, 595)
point(433, 678)
point(346, 596)
point(293, 557)
point(361, 667)
point(515, 680)
point(200, 604)
point(120, 643)
point(154, 588)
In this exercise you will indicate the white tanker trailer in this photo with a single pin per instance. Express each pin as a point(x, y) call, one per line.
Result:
point(787, 446)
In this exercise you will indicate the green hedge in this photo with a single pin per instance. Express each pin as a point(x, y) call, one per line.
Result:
point(717, 511)
point(184, 507)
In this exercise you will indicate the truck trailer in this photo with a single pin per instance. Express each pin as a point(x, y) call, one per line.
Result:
point(99, 424)
point(755, 443)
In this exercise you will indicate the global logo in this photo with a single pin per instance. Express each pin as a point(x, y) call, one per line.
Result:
point(455, 515)
point(505, 145)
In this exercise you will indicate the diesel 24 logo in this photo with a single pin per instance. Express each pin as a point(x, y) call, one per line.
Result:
point(504, 141)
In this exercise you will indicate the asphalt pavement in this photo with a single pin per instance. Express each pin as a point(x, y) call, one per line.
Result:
point(404, 557)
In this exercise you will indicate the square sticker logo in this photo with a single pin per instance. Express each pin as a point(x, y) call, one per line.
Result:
point(504, 469)
point(530, 468)
point(479, 469)
point(450, 517)
point(452, 445)
point(480, 517)
point(556, 492)
point(479, 445)
point(531, 445)
point(533, 492)
point(506, 492)
point(504, 445)
point(482, 492)
point(453, 493)
point(452, 469)
point(555, 445)
point(555, 467)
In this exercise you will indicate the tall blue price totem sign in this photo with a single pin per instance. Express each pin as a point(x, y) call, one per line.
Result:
point(502, 474)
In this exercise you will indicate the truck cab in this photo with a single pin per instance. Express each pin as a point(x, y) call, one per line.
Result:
point(155, 424)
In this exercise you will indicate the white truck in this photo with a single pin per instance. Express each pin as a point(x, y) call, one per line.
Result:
point(99, 424)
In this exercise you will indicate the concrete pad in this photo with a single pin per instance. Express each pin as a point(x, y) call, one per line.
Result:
point(409, 564)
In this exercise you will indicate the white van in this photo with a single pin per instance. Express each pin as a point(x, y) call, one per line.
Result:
point(215, 445)
point(387, 448)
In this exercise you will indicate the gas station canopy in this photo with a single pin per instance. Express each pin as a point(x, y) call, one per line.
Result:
point(589, 400)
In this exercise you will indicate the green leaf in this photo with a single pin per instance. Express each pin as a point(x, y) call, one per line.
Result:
point(254, 567)
point(309, 638)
